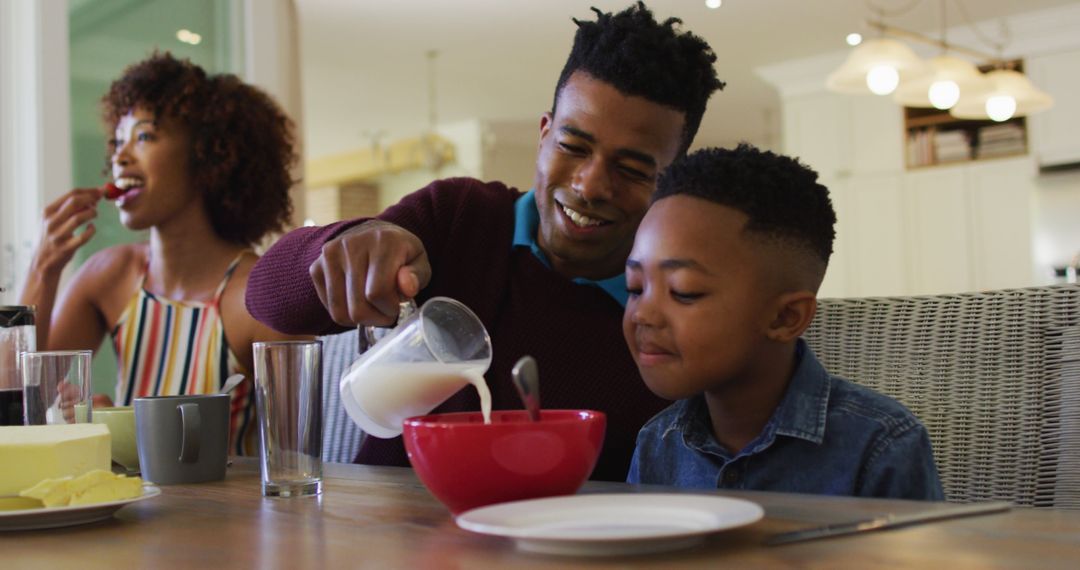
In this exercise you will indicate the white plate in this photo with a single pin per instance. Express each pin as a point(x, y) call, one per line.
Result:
point(41, 517)
point(611, 524)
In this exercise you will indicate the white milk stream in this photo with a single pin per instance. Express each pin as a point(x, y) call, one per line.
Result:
point(388, 394)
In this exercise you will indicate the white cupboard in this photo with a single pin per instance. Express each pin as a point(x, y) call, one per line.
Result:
point(939, 230)
point(1003, 196)
point(878, 235)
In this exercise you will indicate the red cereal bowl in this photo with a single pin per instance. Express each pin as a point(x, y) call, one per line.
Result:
point(467, 464)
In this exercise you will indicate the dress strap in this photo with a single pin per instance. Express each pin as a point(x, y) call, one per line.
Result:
point(228, 273)
point(145, 274)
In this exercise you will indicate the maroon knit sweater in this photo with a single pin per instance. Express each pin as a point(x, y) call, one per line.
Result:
point(573, 330)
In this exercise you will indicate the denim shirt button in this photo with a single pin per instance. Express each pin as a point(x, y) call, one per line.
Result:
point(731, 476)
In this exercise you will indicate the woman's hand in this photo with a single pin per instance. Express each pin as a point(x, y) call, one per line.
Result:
point(62, 217)
point(69, 397)
point(56, 248)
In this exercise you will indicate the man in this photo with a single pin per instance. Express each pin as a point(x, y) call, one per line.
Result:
point(543, 270)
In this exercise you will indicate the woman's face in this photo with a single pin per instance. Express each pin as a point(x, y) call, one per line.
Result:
point(150, 165)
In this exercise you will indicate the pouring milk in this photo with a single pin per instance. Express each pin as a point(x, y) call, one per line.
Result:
point(431, 355)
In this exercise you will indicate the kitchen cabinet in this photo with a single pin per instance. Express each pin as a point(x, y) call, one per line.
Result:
point(878, 221)
point(1002, 197)
point(940, 229)
point(1054, 132)
point(814, 129)
point(838, 136)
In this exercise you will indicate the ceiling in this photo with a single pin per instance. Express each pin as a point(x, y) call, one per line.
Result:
point(363, 62)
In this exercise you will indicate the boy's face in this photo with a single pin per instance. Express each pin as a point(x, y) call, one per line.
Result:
point(700, 303)
point(599, 157)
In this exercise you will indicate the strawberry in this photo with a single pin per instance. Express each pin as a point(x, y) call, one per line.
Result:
point(112, 192)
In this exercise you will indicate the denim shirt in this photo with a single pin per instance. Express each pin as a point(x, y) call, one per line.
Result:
point(828, 436)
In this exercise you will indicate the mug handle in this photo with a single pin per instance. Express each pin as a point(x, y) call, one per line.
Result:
point(190, 425)
point(371, 335)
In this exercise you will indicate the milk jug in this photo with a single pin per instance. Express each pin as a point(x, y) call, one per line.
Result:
point(429, 356)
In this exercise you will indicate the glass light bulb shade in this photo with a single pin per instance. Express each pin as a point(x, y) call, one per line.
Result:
point(851, 77)
point(915, 92)
point(882, 79)
point(853, 39)
point(1000, 107)
point(1003, 82)
point(943, 94)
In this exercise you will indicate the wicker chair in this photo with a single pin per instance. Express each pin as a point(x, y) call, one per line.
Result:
point(341, 437)
point(994, 376)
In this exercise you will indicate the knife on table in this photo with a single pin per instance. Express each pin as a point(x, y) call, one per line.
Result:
point(886, 521)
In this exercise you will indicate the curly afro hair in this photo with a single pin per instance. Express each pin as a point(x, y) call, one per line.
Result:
point(242, 143)
point(638, 56)
point(780, 195)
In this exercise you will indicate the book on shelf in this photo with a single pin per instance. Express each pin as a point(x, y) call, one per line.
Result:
point(951, 146)
point(921, 148)
point(1000, 140)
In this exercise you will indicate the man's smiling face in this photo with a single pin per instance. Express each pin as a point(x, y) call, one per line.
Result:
point(599, 158)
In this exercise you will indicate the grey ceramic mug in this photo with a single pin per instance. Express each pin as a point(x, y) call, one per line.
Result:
point(182, 439)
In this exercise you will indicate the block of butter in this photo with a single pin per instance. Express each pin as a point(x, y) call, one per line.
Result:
point(30, 454)
point(96, 486)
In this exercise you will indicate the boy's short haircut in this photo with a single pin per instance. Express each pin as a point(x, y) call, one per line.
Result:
point(639, 56)
point(781, 196)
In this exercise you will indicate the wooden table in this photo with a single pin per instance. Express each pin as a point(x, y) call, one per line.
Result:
point(382, 517)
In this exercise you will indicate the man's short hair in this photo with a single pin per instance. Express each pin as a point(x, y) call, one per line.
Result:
point(639, 56)
point(781, 196)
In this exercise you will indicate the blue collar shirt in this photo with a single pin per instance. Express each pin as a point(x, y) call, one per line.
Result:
point(828, 436)
point(527, 223)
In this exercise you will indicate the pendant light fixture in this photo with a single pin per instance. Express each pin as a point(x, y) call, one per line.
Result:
point(885, 65)
point(947, 80)
point(875, 66)
point(436, 151)
point(1008, 93)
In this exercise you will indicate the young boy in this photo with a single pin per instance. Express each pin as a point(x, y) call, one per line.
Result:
point(723, 280)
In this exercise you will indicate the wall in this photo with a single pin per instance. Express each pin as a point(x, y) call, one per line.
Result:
point(512, 164)
point(1057, 221)
point(511, 156)
point(468, 140)
point(35, 146)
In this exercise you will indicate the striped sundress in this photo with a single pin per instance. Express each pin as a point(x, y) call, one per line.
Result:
point(166, 347)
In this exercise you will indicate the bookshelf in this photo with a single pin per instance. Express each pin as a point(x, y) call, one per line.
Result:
point(934, 137)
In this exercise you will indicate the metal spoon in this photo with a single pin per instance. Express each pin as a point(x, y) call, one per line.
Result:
point(527, 381)
point(230, 383)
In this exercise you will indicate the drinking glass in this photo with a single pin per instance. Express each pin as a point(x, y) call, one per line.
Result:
point(288, 399)
point(56, 386)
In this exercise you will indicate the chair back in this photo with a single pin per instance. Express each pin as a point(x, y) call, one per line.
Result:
point(341, 437)
point(994, 377)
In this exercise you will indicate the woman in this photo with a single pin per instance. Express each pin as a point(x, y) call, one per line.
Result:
point(202, 162)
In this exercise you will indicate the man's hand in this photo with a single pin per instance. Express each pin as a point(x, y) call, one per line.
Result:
point(363, 274)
